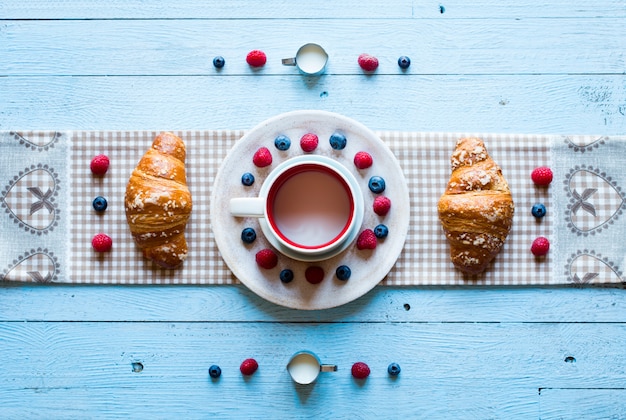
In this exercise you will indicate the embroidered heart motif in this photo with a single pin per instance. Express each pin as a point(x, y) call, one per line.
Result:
point(587, 267)
point(40, 141)
point(30, 199)
point(585, 143)
point(38, 265)
point(595, 200)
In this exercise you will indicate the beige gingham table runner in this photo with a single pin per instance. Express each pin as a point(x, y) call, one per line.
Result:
point(47, 220)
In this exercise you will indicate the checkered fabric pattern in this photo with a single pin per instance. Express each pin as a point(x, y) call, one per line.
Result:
point(423, 157)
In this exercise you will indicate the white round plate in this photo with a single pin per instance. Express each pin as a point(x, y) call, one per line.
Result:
point(368, 267)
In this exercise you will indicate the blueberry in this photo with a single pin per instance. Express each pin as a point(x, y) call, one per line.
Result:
point(338, 141)
point(215, 371)
point(376, 184)
point(247, 179)
point(99, 203)
point(282, 142)
point(219, 62)
point(539, 210)
point(248, 235)
point(381, 231)
point(394, 369)
point(343, 272)
point(404, 62)
point(286, 275)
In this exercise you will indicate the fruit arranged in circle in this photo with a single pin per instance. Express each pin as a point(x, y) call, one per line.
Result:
point(248, 235)
point(382, 205)
point(366, 240)
point(540, 246)
point(215, 371)
point(376, 184)
point(381, 231)
point(309, 142)
point(256, 58)
point(282, 142)
point(99, 165)
point(343, 272)
point(338, 141)
point(262, 157)
point(368, 62)
point(266, 258)
point(286, 275)
point(102, 242)
point(219, 62)
point(363, 160)
point(404, 62)
point(247, 179)
point(542, 176)
point(314, 274)
point(360, 370)
point(393, 369)
point(248, 367)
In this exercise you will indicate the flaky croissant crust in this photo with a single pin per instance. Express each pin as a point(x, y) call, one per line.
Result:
point(158, 202)
point(476, 210)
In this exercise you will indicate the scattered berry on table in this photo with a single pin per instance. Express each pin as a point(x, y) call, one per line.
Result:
point(363, 160)
point(538, 210)
point(382, 205)
point(376, 184)
point(286, 275)
point(381, 231)
point(262, 157)
point(248, 366)
point(540, 246)
point(99, 204)
point(309, 142)
point(360, 370)
point(404, 62)
point(542, 175)
point(343, 272)
point(99, 165)
point(368, 62)
point(314, 274)
point(102, 242)
point(338, 141)
point(219, 62)
point(247, 179)
point(393, 369)
point(256, 58)
point(248, 235)
point(266, 258)
point(215, 371)
point(282, 142)
point(366, 240)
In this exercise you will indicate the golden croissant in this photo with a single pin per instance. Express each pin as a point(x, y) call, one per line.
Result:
point(158, 202)
point(476, 210)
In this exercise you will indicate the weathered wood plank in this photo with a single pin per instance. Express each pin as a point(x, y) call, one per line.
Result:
point(180, 47)
point(492, 370)
point(236, 303)
point(242, 9)
point(582, 403)
point(515, 104)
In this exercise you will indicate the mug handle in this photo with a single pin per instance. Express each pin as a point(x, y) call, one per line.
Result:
point(328, 368)
point(247, 206)
point(289, 61)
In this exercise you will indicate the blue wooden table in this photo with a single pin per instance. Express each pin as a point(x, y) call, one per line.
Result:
point(72, 351)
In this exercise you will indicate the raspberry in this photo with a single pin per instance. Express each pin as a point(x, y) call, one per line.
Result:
point(248, 366)
point(382, 205)
point(309, 142)
point(256, 58)
point(262, 157)
point(540, 246)
point(542, 176)
point(360, 370)
point(99, 165)
point(314, 274)
point(366, 240)
point(266, 258)
point(363, 160)
point(368, 62)
point(102, 242)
